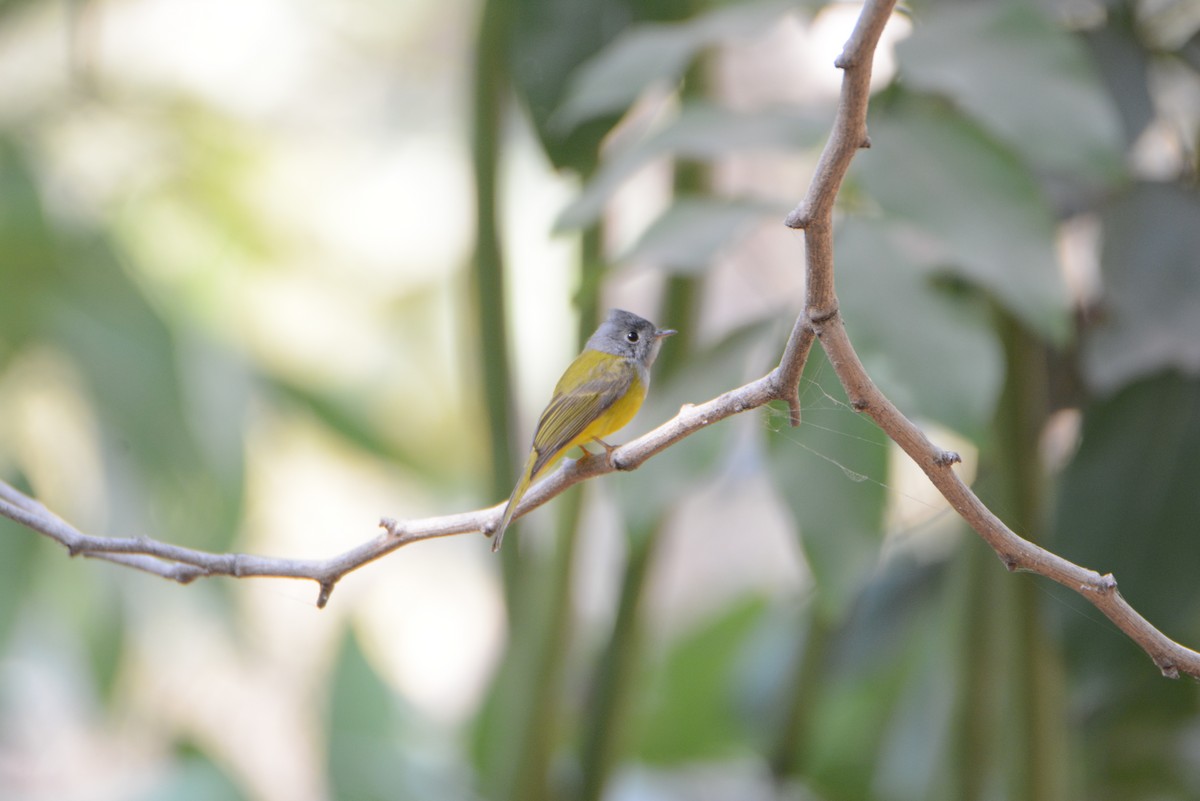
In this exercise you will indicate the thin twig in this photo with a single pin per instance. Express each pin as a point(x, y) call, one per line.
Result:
point(820, 320)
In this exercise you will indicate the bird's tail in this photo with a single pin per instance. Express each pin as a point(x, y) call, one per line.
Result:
point(514, 501)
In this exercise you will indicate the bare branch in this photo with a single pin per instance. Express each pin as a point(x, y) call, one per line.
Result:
point(819, 320)
point(815, 216)
point(187, 564)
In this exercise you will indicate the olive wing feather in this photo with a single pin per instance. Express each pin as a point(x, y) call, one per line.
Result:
point(572, 410)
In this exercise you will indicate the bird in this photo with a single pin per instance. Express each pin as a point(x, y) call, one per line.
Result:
point(599, 393)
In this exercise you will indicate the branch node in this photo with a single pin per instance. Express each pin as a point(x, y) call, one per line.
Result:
point(816, 318)
point(845, 61)
point(798, 220)
point(188, 577)
point(794, 411)
point(865, 144)
point(947, 458)
point(1011, 563)
point(391, 526)
point(1104, 585)
point(860, 404)
point(1169, 670)
point(326, 591)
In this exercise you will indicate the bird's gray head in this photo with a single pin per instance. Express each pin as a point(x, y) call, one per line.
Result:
point(625, 334)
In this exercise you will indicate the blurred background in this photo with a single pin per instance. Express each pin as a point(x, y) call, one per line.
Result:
point(272, 270)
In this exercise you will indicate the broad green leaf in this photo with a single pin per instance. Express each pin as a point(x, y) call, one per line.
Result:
point(689, 713)
point(972, 207)
point(549, 40)
point(1124, 65)
point(934, 354)
point(1028, 82)
point(830, 473)
point(701, 131)
point(1128, 504)
point(656, 52)
point(883, 699)
point(363, 730)
point(1151, 263)
point(1128, 501)
point(693, 231)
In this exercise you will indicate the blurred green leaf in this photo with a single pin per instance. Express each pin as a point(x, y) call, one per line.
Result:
point(1151, 263)
point(693, 231)
point(1128, 501)
point(18, 554)
point(68, 287)
point(549, 40)
point(651, 52)
point(934, 354)
point(1128, 504)
point(348, 415)
point(700, 131)
point(194, 777)
point(688, 713)
point(1024, 79)
point(864, 720)
point(830, 473)
point(96, 614)
point(1124, 66)
point(363, 730)
point(972, 207)
point(27, 242)
point(131, 363)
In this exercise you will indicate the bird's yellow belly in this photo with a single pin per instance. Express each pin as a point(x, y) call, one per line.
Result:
point(614, 418)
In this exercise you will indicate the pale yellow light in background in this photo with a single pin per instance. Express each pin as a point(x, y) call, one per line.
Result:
point(914, 503)
point(245, 57)
point(827, 35)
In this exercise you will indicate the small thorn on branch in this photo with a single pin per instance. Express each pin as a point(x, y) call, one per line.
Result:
point(794, 411)
point(797, 220)
point(326, 591)
point(947, 458)
point(1104, 585)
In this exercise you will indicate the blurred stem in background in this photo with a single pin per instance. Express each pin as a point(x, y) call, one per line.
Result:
point(1037, 737)
point(787, 754)
point(1011, 704)
point(607, 713)
point(491, 87)
point(548, 624)
point(607, 719)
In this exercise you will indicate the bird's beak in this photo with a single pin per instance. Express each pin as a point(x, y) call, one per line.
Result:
point(663, 333)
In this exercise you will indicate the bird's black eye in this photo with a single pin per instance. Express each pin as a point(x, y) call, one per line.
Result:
point(632, 336)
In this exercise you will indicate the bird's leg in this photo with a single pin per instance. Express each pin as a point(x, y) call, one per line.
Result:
point(608, 452)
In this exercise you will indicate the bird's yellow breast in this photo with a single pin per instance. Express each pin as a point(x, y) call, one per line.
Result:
point(618, 415)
